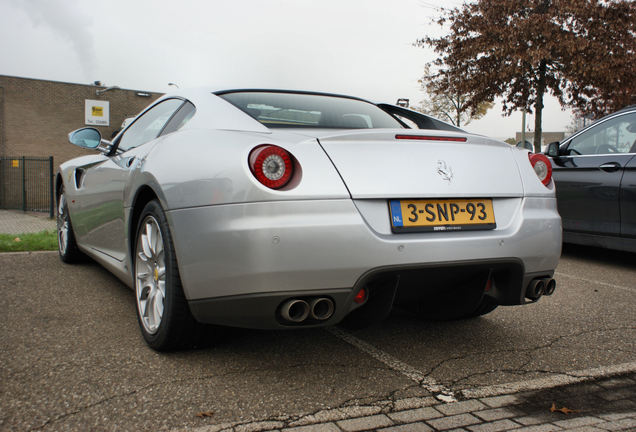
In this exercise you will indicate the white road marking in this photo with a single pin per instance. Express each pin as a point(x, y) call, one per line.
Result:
point(621, 287)
point(441, 393)
point(555, 380)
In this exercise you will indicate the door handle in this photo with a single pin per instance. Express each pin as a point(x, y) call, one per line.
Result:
point(610, 166)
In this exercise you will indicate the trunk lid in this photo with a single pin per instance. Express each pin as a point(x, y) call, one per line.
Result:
point(375, 164)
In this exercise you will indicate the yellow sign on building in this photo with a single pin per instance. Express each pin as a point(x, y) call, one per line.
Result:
point(96, 112)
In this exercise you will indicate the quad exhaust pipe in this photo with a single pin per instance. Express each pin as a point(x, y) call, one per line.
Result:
point(295, 310)
point(550, 286)
point(298, 310)
point(321, 308)
point(540, 287)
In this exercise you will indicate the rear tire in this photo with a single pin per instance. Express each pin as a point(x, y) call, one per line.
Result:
point(66, 244)
point(162, 310)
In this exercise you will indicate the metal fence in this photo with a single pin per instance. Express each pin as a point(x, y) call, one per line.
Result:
point(27, 184)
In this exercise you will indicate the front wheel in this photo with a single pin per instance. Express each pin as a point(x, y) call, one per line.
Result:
point(162, 310)
point(66, 244)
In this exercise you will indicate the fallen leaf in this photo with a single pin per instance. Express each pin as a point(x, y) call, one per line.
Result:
point(205, 414)
point(563, 410)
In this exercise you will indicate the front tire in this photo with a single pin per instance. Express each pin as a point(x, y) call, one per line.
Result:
point(66, 244)
point(162, 310)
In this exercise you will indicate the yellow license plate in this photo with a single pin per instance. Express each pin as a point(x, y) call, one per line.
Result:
point(442, 214)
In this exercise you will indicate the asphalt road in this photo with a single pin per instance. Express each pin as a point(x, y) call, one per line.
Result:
point(71, 355)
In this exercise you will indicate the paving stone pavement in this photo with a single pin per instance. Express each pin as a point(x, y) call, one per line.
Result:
point(606, 404)
point(18, 222)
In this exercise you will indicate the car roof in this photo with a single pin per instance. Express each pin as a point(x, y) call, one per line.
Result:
point(306, 92)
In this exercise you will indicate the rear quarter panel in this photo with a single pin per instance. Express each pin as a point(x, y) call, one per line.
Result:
point(210, 167)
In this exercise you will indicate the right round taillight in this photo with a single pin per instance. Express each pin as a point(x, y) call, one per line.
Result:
point(542, 167)
point(273, 166)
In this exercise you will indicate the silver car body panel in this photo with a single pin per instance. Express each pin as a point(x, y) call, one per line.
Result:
point(234, 236)
point(318, 245)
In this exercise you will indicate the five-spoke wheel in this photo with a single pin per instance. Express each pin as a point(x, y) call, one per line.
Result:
point(162, 310)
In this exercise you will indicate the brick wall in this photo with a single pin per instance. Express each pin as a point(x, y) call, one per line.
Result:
point(37, 115)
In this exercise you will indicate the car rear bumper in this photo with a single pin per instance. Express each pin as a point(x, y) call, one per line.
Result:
point(231, 253)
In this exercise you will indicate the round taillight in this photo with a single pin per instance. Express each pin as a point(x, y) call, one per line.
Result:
point(542, 167)
point(271, 165)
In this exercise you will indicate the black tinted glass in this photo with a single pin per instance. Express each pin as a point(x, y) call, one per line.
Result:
point(148, 126)
point(310, 110)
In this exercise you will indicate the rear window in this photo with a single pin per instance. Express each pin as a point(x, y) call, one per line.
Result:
point(302, 110)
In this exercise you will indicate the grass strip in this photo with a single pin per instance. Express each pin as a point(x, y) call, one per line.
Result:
point(42, 241)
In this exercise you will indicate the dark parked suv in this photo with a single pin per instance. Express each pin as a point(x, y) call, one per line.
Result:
point(595, 175)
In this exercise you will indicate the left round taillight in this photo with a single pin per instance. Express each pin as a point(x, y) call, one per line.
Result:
point(542, 167)
point(273, 166)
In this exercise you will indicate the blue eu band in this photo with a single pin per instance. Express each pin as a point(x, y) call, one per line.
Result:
point(396, 213)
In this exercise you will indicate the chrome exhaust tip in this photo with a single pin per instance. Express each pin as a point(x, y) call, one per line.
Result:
point(321, 308)
point(550, 286)
point(535, 289)
point(295, 310)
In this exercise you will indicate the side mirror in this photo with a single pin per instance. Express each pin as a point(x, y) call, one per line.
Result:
point(86, 138)
point(553, 149)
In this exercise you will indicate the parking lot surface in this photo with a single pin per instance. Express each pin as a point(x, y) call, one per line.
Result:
point(72, 358)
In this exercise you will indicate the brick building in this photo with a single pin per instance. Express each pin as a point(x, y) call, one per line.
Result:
point(37, 115)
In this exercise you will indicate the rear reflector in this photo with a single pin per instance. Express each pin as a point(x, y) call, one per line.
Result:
point(361, 296)
point(430, 138)
point(488, 285)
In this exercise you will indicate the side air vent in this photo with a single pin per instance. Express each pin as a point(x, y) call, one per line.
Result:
point(79, 177)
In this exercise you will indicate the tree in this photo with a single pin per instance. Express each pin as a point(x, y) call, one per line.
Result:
point(581, 51)
point(448, 105)
point(576, 124)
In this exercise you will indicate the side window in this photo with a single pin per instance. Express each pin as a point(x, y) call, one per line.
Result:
point(148, 126)
point(617, 135)
point(180, 118)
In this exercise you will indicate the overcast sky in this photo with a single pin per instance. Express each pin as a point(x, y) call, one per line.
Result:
point(358, 47)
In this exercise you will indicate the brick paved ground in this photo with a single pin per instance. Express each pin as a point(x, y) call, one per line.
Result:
point(607, 404)
point(17, 222)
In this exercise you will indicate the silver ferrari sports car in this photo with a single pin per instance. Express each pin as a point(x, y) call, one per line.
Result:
point(280, 209)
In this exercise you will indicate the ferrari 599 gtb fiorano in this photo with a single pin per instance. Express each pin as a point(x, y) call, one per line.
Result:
point(279, 209)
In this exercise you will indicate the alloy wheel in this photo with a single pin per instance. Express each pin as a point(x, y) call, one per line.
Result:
point(62, 224)
point(150, 274)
